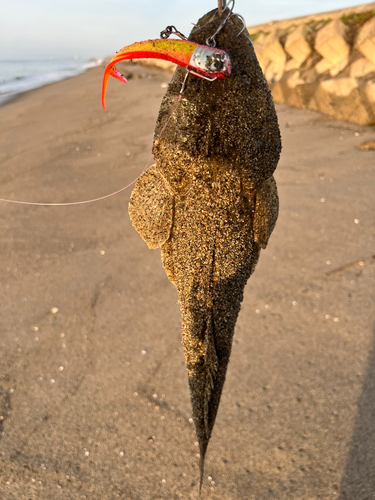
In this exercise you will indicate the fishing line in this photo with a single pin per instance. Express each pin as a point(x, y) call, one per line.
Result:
point(220, 7)
point(107, 195)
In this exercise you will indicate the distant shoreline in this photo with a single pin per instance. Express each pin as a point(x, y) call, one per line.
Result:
point(45, 80)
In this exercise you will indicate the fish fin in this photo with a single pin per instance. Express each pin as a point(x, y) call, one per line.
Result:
point(151, 208)
point(266, 210)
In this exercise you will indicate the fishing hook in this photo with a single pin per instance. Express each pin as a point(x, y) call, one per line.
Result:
point(211, 40)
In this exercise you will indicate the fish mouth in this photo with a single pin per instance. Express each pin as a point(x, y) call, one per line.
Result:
point(202, 61)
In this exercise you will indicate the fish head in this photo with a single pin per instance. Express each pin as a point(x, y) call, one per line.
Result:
point(229, 121)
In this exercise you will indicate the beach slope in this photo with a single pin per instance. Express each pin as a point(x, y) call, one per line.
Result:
point(94, 400)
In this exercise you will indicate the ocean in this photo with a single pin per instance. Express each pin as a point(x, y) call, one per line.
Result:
point(20, 76)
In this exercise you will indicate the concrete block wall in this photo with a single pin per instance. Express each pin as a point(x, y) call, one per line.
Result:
point(366, 40)
point(271, 55)
point(327, 65)
point(330, 42)
point(297, 46)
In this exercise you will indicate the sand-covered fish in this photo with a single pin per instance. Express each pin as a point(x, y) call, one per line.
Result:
point(210, 201)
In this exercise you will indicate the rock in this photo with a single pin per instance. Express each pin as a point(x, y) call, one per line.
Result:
point(334, 69)
point(310, 76)
point(369, 90)
point(274, 71)
point(292, 64)
point(297, 46)
point(323, 66)
point(321, 101)
point(354, 109)
point(331, 44)
point(277, 93)
point(340, 86)
point(300, 95)
point(295, 79)
point(337, 68)
point(361, 67)
point(350, 107)
point(273, 48)
point(366, 40)
point(367, 146)
point(274, 53)
point(259, 46)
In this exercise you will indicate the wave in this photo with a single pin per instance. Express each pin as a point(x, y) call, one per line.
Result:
point(21, 76)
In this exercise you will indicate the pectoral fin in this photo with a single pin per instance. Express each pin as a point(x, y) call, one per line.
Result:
point(151, 208)
point(265, 212)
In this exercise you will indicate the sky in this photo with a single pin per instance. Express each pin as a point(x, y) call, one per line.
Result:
point(33, 29)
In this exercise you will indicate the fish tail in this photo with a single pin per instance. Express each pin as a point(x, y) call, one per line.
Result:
point(202, 455)
point(209, 314)
point(203, 381)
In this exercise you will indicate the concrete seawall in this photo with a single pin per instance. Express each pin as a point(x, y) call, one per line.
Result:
point(323, 62)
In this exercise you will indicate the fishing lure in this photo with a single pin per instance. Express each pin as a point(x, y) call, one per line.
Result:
point(210, 201)
point(200, 60)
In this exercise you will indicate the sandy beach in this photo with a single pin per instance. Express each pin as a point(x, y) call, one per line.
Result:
point(94, 400)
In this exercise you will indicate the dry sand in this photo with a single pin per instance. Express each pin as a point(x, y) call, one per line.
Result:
point(94, 398)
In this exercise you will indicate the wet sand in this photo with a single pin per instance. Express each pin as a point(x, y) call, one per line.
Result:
point(94, 401)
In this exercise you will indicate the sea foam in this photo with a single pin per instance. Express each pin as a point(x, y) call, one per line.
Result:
point(21, 76)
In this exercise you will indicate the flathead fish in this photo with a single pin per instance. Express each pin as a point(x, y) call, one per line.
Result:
point(210, 201)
